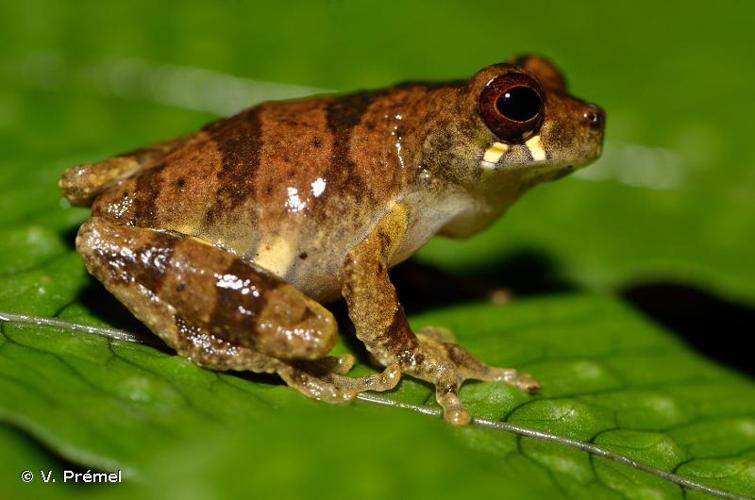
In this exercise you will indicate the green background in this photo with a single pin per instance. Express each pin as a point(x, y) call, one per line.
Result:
point(671, 201)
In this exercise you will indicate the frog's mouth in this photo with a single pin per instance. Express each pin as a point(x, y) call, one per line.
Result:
point(533, 158)
point(500, 155)
point(528, 154)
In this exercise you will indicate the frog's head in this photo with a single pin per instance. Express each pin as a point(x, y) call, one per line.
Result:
point(516, 126)
point(529, 121)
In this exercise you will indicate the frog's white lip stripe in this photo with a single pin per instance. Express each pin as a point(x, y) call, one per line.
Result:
point(536, 149)
point(493, 154)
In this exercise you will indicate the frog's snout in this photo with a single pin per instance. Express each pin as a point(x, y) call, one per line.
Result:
point(594, 116)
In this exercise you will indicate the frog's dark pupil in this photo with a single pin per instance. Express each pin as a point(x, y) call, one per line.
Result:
point(519, 104)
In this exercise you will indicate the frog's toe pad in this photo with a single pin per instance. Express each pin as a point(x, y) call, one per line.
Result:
point(521, 380)
point(525, 382)
point(344, 363)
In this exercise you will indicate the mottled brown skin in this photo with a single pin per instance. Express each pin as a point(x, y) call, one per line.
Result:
point(224, 241)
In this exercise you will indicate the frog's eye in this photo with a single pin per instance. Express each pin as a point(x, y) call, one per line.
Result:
point(511, 105)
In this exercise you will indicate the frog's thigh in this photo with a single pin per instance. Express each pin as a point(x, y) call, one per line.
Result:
point(220, 311)
point(190, 294)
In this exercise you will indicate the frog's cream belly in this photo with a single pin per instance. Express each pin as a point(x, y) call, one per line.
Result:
point(316, 273)
point(311, 257)
point(307, 249)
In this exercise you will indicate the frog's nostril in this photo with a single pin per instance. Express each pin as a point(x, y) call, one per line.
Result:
point(594, 116)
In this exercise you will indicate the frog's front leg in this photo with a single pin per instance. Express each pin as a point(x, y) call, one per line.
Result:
point(382, 326)
point(220, 311)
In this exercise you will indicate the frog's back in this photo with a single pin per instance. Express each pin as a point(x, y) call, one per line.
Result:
point(289, 185)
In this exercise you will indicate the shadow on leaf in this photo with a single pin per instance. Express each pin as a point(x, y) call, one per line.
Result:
point(715, 327)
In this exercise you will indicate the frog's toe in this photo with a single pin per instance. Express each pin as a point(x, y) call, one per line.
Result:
point(523, 381)
point(333, 387)
point(316, 387)
point(382, 381)
point(471, 368)
point(447, 396)
point(436, 333)
point(345, 362)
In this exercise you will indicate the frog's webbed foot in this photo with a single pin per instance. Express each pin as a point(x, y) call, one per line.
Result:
point(319, 380)
point(470, 367)
point(445, 364)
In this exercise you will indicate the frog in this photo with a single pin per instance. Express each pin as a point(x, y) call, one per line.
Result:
point(229, 242)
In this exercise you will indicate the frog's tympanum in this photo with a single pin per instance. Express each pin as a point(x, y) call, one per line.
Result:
point(225, 242)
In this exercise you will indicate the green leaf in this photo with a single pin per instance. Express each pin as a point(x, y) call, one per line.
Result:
point(625, 387)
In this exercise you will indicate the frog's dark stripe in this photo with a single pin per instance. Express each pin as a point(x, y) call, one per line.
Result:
point(398, 337)
point(239, 140)
point(157, 257)
point(226, 321)
point(342, 115)
point(151, 263)
point(148, 187)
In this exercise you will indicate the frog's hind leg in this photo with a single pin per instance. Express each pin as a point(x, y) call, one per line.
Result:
point(220, 311)
point(80, 184)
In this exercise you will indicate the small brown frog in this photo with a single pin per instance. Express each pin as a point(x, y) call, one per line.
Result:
point(225, 241)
